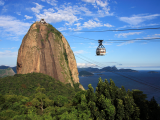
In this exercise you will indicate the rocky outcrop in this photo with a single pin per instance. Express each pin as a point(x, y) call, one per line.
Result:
point(45, 50)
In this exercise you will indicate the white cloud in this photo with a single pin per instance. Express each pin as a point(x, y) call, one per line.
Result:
point(115, 2)
point(12, 27)
point(96, 19)
point(8, 53)
point(108, 25)
point(137, 26)
point(137, 19)
point(144, 43)
point(89, 1)
point(93, 46)
point(28, 17)
point(51, 2)
point(9, 48)
point(152, 36)
point(49, 10)
point(92, 43)
point(126, 34)
point(84, 65)
point(4, 9)
point(77, 24)
point(101, 3)
point(79, 52)
point(62, 14)
point(157, 34)
point(135, 66)
point(18, 13)
point(1, 2)
point(125, 43)
point(92, 24)
point(101, 12)
point(85, 10)
point(37, 8)
point(98, 2)
point(106, 44)
point(62, 28)
point(68, 13)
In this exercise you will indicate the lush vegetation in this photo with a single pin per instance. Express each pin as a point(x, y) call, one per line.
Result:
point(35, 96)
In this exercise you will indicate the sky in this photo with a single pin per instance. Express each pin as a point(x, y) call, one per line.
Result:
point(73, 18)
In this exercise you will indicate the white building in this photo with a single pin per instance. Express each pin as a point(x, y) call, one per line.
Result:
point(42, 21)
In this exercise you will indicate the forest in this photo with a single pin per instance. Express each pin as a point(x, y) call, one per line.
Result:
point(36, 96)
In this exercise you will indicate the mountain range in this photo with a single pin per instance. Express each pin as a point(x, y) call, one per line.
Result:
point(105, 69)
point(89, 69)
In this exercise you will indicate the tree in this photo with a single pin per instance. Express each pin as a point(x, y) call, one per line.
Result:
point(90, 95)
point(139, 100)
point(119, 109)
point(41, 100)
point(106, 90)
point(112, 90)
point(105, 108)
point(154, 111)
point(100, 88)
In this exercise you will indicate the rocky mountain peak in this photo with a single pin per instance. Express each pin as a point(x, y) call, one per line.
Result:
point(45, 50)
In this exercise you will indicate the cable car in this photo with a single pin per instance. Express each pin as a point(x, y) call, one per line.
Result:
point(100, 49)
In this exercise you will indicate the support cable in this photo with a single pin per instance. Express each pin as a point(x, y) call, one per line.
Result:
point(152, 86)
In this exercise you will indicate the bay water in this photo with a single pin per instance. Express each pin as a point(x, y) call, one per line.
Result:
point(149, 83)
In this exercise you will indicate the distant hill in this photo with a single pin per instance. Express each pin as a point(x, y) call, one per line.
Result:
point(89, 69)
point(6, 72)
point(127, 70)
point(5, 67)
point(105, 69)
point(85, 73)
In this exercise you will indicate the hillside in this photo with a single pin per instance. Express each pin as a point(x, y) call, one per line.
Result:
point(25, 84)
point(85, 73)
point(6, 72)
point(5, 67)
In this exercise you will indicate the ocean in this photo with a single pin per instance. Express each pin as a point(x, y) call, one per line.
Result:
point(149, 83)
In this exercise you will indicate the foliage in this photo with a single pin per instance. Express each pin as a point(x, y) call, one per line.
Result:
point(149, 110)
point(38, 28)
point(65, 56)
point(53, 30)
point(41, 102)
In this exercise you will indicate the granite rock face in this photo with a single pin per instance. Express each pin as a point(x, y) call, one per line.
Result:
point(45, 50)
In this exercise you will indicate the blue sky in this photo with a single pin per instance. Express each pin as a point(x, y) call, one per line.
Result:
point(70, 16)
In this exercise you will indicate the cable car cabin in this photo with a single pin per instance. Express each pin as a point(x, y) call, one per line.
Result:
point(100, 49)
